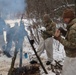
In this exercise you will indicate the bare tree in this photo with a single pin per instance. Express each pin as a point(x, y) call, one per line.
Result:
point(37, 8)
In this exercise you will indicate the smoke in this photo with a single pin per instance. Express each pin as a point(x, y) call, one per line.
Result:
point(11, 7)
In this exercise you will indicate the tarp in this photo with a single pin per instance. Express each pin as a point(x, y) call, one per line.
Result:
point(69, 67)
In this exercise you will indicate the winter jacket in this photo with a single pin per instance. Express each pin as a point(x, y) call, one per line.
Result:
point(70, 40)
point(50, 30)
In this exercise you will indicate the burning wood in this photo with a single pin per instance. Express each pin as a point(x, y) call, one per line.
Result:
point(27, 70)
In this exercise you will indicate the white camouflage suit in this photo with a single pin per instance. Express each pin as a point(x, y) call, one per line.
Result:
point(47, 42)
point(48, 46)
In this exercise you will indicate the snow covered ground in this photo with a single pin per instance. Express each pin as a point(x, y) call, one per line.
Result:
point(5, 62)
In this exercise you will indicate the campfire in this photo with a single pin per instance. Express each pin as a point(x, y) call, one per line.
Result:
point(27, 70)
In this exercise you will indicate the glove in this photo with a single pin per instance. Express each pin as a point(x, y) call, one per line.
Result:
point(32, 41)
point(42, 29)
point(63, 31)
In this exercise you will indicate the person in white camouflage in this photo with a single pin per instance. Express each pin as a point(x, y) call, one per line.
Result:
point(47, 32)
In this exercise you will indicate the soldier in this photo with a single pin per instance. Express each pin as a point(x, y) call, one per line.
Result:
point(8, 40)
point(10, 35)
point(69, 42)
point(2, 29)
point(19, 36)
point(47, 32)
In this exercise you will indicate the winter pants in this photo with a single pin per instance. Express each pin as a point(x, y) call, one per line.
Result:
point(48, 46)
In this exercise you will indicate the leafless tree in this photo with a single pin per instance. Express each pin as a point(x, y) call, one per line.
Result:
point(37, 8)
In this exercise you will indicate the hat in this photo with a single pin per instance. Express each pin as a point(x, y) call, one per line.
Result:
point(68, 13)
point(46, 16)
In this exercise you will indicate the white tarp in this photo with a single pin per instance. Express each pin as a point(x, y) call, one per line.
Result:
point(69, 67)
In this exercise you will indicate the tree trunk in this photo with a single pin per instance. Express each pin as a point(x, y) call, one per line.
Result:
point(12, 63)
point(75, 7)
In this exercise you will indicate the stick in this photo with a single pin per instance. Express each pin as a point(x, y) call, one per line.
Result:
point(12, 63)
point(37, 56)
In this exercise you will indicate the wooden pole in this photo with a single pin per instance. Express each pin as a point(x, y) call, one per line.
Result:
point(75, 7)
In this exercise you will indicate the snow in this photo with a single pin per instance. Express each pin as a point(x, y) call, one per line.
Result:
point(5, 62)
